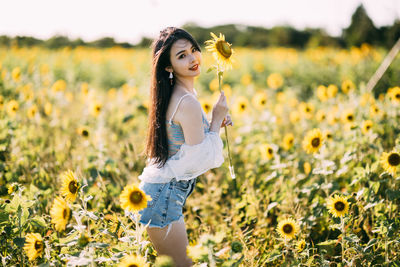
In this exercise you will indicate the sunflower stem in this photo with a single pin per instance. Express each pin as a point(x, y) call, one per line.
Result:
point(231, 168)
point(343, 236)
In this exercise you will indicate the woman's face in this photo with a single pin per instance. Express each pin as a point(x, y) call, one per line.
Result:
point(185, 59)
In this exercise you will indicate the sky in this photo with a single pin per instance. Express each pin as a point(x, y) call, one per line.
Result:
point(130, 20)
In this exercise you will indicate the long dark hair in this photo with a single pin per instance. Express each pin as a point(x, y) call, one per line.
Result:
point(161, 91)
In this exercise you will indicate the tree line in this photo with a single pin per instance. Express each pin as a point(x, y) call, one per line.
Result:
point(361, 30)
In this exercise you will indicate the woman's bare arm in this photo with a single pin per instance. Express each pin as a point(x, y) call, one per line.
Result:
point(189, 116)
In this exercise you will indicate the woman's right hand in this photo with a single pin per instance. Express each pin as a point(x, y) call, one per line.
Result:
point(220, 108)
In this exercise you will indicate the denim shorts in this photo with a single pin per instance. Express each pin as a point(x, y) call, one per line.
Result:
point(167, 201)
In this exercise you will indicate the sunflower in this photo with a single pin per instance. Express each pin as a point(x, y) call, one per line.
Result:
point(313, 140)
point(332, 116)
point(374, 110)
point(301, 245)
point(320, 115)
point(85, 88)
point(59, 85)
point(267, 152)
point(12, 107)
point(348, 116)
point(60, 213)
point(241, 105)
point(338, 206)
point(32, 111)
point(259, 100)
point(288, 228)
point(288, 141)
point(246, 79)
point(366, 98)
point(112, 92)
point(259, 67)
point(328, 135)
point(16, 74)
point(394, 94)
point(306, 110)
point(221, 50)
point(274, 80)
point(95, 108)
point(366, 126)
point(12, 188)
point(390, 161)
point(133, 261)
point(307, 167)
point(294, 116)
point(347, 86)
point(133, 198)
point(83, 131)
point(293, 102)
point(33, 246)
point(281, 97)
point(70, 186)
point(206, 105)
point(331, 90)
point(322, 93)
point(48, 107)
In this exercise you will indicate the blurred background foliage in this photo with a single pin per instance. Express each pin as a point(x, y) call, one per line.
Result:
point(361, 30)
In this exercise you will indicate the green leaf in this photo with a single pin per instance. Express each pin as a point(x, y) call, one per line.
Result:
point(127, 118)
point(38, 221)
point(210, 69)
point(375, 186)
point(3, 217)
point(14, 204)
point(19, 241)
point(392, 194)
point(99, 245)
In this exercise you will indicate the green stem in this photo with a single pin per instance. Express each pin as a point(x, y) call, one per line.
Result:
point(231, 169)
point(343, 236)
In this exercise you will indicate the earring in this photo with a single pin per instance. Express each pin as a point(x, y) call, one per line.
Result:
point(171, 76)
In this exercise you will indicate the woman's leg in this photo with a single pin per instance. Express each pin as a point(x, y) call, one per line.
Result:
point(172, 244)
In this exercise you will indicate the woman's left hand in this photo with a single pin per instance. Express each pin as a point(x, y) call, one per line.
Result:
point(227, 121)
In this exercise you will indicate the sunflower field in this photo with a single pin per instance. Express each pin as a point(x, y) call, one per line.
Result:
point(316, 158)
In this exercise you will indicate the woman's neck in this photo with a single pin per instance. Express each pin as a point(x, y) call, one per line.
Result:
point(186, 84)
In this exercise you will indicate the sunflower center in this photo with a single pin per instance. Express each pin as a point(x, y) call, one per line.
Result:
point(307, 110)
point(394, 159)
point(242, 106)
point(135, 197)
point(65, 214)
point(287, 228)
point(38, 245)
point(339, 206)
point(85, 133)
point(262, 102)
point(397, 96)
point(367, 127)
point(315, 142)
point(350, 117)
point(97, 108)
point(132, 265)
point(270, 151)
point(72, 187)
point(224, 49)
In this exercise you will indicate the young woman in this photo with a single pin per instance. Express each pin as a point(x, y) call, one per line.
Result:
point(181, 143)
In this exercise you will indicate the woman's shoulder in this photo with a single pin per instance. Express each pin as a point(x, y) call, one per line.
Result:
point(188, 105)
